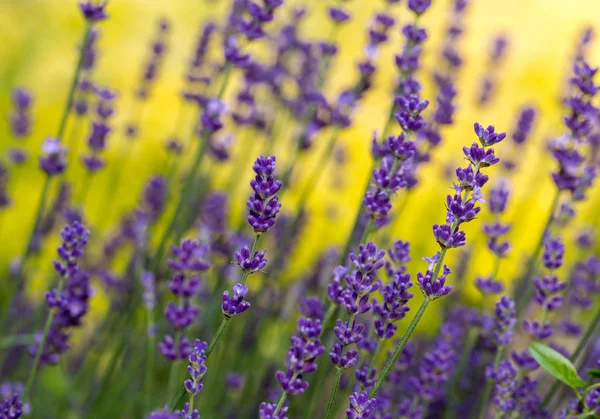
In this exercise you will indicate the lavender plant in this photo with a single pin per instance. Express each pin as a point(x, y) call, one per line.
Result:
point(262, 78)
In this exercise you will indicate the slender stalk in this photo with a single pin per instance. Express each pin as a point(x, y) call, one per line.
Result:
point(175, 401)
point(74, 81)
point(523, 297)
point(356, 224)
point(40, 349)
point(376, 353)
point(16, 340)
point(150, 343)
point(217, 336)
point(334, 390)
point(392, 360)
point(252, 250)
point(202, 148)
point(488, 386)
point(157, 257)
point(455, 381)
point(174, 369)
point(281, 401)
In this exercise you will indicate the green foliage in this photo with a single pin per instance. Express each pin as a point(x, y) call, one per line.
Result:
point(556, 365)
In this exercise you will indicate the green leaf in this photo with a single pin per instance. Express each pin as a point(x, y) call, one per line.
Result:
point(594, 372)
point(556, 365)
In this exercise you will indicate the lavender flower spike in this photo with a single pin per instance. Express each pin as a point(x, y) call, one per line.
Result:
point(264, 204)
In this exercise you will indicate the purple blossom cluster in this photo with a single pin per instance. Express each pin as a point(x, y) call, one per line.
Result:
point(189, 259)
point(100, 129)
point(355, 296)
point(69, 302)
point(305, 349)
point(262, 79)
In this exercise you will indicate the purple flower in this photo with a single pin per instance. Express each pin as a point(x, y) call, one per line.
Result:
point(538, 330)
point(394, 305)
point(400, 253)
point(361, 407)
point(504, 321)
point(235, 304)
point(525, 360)
point(419, 6)
point(489, 286)
point(338, 15)
point(480, 157)
point(488, 136)
point(11, 407)
point(434, 288)
point(53, 159)
point(546, 289)
point(301, 358)
point(554, 252)
point(267, 411)
point(447, 238)
point(343, 360)
point(469, 180)
point(499, 197)
point(312, 307)
point(460, 212)
point(72, 303)
point(524, 125)
point(506, 382)
point(248, 263)
point(409, 114)
point(20, 117)
point(369, 259)
point(196, 368)
point(92, 10)
point(189, 257)
point(263, 205)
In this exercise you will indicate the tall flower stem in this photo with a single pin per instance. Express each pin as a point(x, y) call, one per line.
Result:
point(334, 390)
point(580, 347)
point(16, 340)
point(218, 333)
point(150, 345)
point(488, 386)
point(376, 353)
point(40, 348)
point(411, 328)
point(189, 181)
point(59, 135)
point(462, 365)
point(174, 369)
point(522, 298)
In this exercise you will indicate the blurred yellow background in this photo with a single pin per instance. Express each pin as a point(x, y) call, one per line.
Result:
point(38, 46)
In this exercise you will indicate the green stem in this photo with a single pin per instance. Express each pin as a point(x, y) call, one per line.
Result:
point(217, 336)
point(74, 81)
point(411, 328)
point(175, 401)
point(523, 298)
point(376, 354)
point(202, 147)
point(280, 403)
point(488, 386)
point(171, 384)
point(455, 381)
point(40, 349)
point(334, 390)
point(16, 340)
point(252, 250)
point(151, 342)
